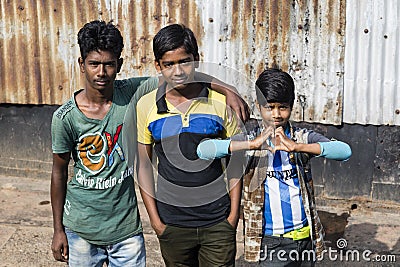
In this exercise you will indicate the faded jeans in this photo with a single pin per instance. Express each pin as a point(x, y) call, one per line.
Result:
point(130, 252)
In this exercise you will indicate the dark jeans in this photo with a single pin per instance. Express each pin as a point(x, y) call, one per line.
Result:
point(205, 246)
point(282, 251)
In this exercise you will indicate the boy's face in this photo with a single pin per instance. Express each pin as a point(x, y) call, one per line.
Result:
point(100, 69)
point(177, 68)
point(278, 113)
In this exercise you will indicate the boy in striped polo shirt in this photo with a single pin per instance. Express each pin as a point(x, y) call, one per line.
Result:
point(190, 208)
point(281, 224)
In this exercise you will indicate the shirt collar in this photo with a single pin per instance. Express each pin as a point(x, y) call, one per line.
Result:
point(162, 103)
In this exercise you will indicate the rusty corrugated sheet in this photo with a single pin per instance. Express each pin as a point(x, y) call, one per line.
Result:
point(39, 51)
point(317, 60)
point(372, 65)
point(306, 38)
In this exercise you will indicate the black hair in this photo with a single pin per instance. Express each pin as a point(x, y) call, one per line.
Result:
point(172, 37)
point(99, 35)
point(275, 85)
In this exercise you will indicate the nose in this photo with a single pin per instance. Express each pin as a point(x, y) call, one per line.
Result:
point(102, 70)
point(178, 70)
point(275, 113)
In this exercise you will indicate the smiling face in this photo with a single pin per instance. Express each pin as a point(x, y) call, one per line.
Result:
point(177, 68)
point(100, 69)
point(278, 113)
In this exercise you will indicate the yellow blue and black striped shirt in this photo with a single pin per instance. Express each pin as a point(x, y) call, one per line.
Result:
point(191, 192)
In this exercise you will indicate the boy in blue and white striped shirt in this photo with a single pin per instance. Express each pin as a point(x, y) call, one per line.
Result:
point(280, 218)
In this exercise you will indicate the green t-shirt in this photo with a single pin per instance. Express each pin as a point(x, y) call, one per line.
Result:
point(100, 204)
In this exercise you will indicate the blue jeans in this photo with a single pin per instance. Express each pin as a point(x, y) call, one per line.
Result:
point(130, 252)
point(281, 251)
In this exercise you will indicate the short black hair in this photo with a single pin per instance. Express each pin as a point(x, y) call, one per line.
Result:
point(275, 85)
point(99, 35)
point(172, 37)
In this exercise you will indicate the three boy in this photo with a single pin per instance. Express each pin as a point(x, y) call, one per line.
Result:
point(192, 209)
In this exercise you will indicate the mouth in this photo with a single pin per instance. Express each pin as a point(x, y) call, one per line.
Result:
point(182, 80)
point(101, 82)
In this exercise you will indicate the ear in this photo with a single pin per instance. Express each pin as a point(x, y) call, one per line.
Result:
point(157, 66)
point(119, 62)
point(81, 63)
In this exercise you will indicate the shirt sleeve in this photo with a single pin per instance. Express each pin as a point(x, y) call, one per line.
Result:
point(336, 150)
point(314, 137)
point(213, 149)
point(218, 148)
point(144, 136)
point(144, 88)
point(61, 137)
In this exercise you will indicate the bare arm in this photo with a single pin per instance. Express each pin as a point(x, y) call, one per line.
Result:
point(215, 148)
point(59, 178)
point(235, 194)
point(146, 185)
point(260, 142)
point(335, 150)
point(234, 173)
point(282, 142)
point(233, 99)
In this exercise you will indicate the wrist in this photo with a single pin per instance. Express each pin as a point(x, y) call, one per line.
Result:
point(297, 147)
point(58, 228)
point(233, 219)
point(228, 89)
point(155, 224)
point(234, 215)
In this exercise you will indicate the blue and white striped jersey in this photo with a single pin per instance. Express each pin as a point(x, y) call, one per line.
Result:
point(283, 208)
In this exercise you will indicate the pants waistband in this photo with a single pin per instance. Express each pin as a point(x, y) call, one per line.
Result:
point(297, 234)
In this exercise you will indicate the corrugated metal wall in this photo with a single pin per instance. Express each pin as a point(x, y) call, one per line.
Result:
point(38, 49)
point(372, 62)
point(305, 38)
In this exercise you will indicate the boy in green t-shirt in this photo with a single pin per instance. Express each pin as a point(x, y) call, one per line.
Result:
point(98, 207)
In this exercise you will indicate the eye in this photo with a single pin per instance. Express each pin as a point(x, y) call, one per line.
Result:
point(111, 64)
point(186, 63)
point(168, 65)
point(268, 107)
point(283, 107)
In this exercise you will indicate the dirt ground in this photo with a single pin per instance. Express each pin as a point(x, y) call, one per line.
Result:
point(26, 228)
